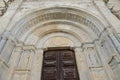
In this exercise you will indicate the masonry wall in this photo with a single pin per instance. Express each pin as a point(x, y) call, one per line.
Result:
point(95, 39)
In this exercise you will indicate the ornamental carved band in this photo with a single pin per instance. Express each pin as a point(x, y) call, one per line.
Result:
point(58, 16)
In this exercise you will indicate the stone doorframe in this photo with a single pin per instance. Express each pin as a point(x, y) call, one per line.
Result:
point(82, 67)
point(59, 27)
point(86, 70)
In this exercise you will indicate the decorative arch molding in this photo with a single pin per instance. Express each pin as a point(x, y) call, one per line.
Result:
point(47, 26)
point(60, 14)
point(91, 52)
point(73, 34)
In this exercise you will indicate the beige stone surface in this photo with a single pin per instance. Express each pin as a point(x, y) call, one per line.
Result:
point(89, 27)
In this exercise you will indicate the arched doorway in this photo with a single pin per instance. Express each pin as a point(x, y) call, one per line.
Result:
point(60, 27)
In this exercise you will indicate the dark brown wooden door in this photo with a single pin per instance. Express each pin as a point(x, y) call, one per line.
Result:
point(59, 65)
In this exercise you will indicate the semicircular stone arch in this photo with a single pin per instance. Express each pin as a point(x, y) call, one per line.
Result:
point(61, 14)
point(42, 31)
point(61, 27)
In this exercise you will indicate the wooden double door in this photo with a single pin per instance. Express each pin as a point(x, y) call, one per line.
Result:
point(59, 65)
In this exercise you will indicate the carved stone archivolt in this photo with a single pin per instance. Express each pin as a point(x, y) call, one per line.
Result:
point(58, 27)
point(57, 15)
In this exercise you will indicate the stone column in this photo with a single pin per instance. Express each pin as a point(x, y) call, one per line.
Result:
point(37, 65)
point(0, 37)
point(3, 69)
point(96, 69)
point(115, 42)
point(7, 50)
point(2, 43)
point(14, 60)
point(81, 64)
point(86, 52)
point(104, 63)
point(23, 64)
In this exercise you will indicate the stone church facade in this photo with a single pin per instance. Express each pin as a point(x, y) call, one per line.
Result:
point(90, 28)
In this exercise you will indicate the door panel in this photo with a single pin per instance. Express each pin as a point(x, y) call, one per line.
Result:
point(67, 63)
point(59, 65)
point(66, 55)
point(69, 73)
point(50, 74)
point(50, 55)
point(50, 63)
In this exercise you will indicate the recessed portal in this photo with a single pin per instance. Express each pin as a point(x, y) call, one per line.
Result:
point(59, 64)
